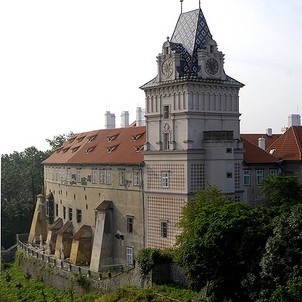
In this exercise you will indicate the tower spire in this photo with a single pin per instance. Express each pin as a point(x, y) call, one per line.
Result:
point(181, 1)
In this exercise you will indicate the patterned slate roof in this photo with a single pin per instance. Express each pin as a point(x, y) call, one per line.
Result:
point(105, 146)
point(191, 34)
point(228, 81)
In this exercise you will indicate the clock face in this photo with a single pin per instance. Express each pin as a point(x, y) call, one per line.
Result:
point(211, 66)
point(167, 68)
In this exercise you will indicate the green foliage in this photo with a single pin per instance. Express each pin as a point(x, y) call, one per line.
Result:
point(215, 247)
point(58, 140)
point(21, 182)
point(83, 281)
point(154, 294)
point(280, 190)
point(281, 271)
point(16, 286)
point(148, 258)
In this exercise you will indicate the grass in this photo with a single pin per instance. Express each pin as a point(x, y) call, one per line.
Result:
point(17, 286)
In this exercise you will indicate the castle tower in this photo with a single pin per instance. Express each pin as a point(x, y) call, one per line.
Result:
point(193, 127)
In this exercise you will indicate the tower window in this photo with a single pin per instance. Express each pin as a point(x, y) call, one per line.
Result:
point(166, 111)
point(165, 179)
point(166, 141)
point(164, 229)
point(64, 212)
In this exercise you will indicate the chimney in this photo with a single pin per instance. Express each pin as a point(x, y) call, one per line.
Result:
point(269, 132)
point(125, 119)
point(294, 120)
point(140, 119)
point(109, 120)
point(261, 143)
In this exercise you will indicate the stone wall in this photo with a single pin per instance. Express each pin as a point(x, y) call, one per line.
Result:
point(76, 281)
point(9, 254)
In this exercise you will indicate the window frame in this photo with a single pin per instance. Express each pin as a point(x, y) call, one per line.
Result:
point(79, 216)
point(259, 177)
point(165, 179)
point(136, 177)
point(129, 255)
point(164, 229)
point(130, 223)
point(246, 177)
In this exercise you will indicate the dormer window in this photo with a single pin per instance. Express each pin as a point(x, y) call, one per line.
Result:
point(138, 148)
point(90, 149)
point(111, 138)
point(65, 150)
point(91, 138)
point(80, 139)
point(75, 149)
point(71, 140)
point(135, 137)
point(112, 148)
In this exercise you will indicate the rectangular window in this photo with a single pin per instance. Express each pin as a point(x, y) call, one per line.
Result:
point(166, 111)
point(68, 175)
point(130, 224)
point(259, 177)
point(122, 177)
point(108, 177)
point(229, 175)
point(102, 176)
point(165, 179)
point(57, 210)
point(136, 178)
point(78, 176)
point(79, 215)
point(164, 229)
point(129, 255)
point(228, 150)
point(246, 177)
point(166, 141)
point(70, 214)
point(64, 212)
point(93, 176)
point(273, 172)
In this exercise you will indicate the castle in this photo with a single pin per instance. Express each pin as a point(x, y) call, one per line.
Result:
point(111, 192)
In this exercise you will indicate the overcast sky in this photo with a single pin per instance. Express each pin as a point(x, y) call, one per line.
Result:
point(63, 63)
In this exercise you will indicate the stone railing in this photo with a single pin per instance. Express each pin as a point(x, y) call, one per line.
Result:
point(35, 251)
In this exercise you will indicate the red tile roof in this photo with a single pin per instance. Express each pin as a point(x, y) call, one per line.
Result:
point(106, 146)
point(289, 146)
point(66, 228)
point(255, 155)
point(253, 138)
point(84, 232)
point(104, 206)
point(57, 224)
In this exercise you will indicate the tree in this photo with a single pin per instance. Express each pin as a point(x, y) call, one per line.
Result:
point(282, 190)
point(281, 273)
point(221, 242)
point(21, 182)
point(58, 140)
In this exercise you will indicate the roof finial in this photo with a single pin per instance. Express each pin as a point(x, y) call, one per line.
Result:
point(199, 4)
point(181, 1)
